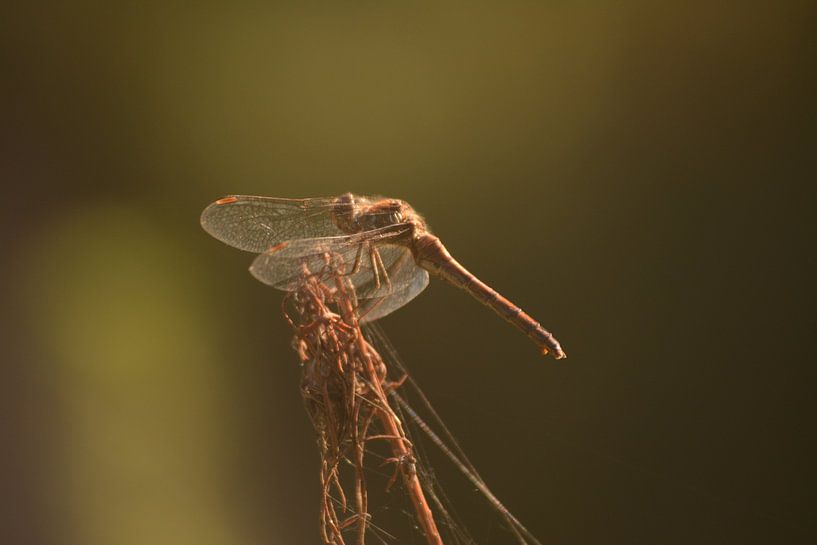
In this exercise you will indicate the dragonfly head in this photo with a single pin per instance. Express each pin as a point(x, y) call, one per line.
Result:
point(387, 212)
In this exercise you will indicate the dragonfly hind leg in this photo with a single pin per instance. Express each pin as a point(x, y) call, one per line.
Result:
point(378, 269)
point(375, 268)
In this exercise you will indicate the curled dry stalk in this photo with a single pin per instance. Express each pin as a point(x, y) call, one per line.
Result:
point(346, 392)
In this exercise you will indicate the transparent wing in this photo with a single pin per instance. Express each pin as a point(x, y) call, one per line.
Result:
point(284, 267)
point(375, 308)
point(405, 281)
point(255, 224)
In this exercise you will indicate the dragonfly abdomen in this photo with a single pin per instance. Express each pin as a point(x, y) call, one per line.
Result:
point(432, 255)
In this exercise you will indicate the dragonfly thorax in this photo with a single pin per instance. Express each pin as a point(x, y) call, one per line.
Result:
point(357, 214)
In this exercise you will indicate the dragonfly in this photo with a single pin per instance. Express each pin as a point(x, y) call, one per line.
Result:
point(387, 245)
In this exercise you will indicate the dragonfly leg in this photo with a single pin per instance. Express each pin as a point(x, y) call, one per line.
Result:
point(358, 260)
point(379, 261)
point(373, 257)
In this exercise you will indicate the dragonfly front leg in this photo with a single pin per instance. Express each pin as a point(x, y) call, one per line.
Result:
point(358, 260)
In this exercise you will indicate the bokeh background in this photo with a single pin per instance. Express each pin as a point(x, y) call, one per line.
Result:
point(633, 174)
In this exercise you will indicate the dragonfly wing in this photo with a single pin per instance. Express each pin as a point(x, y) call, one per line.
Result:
point(256, 224)
point(282, 266)
point(379, 293)
point(403, 281)
point(375, 308)
point(285, 269)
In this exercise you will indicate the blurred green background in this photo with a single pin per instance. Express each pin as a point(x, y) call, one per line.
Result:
point(632, 174)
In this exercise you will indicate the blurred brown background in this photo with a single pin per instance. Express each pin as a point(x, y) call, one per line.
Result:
point(632, 174)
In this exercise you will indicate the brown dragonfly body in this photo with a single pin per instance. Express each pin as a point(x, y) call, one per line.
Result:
point(388, 244)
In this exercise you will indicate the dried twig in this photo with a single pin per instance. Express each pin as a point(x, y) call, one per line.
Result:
point(346, 394)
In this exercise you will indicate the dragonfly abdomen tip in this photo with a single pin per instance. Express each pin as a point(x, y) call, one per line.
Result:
point(558, 353)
